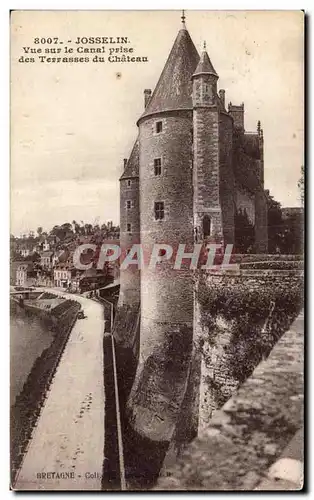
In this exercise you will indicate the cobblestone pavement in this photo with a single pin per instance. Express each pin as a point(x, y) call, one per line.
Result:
point(69, 437)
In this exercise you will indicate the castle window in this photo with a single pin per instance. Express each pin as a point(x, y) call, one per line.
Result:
point(157, 166)
point(128, 204)
point(159, 210)
point(206, 226)
point(128, 227)
point(129, 182)
point(158, 127)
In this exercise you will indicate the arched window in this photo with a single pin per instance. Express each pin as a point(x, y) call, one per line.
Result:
point(206, 226)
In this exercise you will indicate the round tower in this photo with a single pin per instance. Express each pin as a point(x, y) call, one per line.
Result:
point(166, 204)
point(129, 228)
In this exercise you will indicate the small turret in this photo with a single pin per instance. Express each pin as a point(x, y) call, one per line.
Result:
point(204, 82)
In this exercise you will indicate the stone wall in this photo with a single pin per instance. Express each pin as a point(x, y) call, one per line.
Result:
point(233, 344)
point(227, 182)
point(130, 277)
point(235, 449)
point(245, 200)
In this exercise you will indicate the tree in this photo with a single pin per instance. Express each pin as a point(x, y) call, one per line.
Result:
point(35, 257)
point(293, 233)
point(301, 185)
point(39, 231)
point(275, 225)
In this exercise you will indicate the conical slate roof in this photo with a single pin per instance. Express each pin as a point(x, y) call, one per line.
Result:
point(205, 65)
point(132, 166)
point(174, 87)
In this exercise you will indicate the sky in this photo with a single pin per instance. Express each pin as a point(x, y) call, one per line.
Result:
point(72, 124)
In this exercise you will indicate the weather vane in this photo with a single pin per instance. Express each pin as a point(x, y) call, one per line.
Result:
point(183, 17)
point(204, 46)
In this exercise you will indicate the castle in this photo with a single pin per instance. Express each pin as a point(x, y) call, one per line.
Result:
point(192, 167)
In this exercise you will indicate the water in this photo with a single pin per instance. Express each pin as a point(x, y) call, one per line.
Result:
point(28, 339)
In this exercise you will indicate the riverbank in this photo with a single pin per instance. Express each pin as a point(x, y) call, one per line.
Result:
point(69, 435)
point(29, 402)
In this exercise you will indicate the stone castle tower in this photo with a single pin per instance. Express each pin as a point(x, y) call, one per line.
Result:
point(191, 168)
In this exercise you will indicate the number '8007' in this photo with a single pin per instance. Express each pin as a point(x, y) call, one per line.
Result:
point(46, 40)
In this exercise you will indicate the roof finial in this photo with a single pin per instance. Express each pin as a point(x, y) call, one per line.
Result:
point(183, 19)
point(204, 46)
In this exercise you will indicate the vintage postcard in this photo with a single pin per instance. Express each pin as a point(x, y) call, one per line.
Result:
point(157, 199)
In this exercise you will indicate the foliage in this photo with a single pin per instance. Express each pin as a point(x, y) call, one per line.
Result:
point(278, 265)
point(237, 302)
point(246, 318)
point(275, 226)
point(301, 185)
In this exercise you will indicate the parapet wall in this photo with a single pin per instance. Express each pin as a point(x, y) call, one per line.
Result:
point(236, 448)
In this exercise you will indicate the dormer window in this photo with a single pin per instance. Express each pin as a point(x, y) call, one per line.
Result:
point(158, 127)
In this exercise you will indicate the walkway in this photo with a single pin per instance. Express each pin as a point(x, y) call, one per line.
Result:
point(69, 437)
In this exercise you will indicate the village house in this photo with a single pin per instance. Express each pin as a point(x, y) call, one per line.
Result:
point(62, 276)
point(26, 274)
point(44, 278)
point(26, 251)
point(46, 259)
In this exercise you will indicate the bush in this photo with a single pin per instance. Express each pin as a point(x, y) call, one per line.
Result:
point(245, 307)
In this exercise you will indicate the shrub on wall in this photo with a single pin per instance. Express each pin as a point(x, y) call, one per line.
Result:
point(254, 317)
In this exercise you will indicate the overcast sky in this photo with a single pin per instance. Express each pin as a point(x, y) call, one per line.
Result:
point(72, 124)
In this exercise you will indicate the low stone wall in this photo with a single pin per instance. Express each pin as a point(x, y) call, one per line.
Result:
point(237, 446)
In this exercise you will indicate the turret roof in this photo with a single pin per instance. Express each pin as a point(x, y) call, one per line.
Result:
point(174, 87)
point(132, 166)
point(205, 65)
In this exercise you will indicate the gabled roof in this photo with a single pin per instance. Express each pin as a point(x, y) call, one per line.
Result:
point(132, 166)
point(205, 66)
point(174, 87)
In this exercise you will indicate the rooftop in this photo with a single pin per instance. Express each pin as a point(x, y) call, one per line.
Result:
point(174, 87)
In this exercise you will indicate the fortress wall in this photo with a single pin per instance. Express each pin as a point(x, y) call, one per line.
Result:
point(245, 200)
point(130, 277)
point(227, 183)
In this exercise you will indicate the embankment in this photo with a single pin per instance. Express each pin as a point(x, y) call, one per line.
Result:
point(28, 404)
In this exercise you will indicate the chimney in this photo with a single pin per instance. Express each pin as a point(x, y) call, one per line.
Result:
point(237, 113)
point(222, 94)
point(147, 95)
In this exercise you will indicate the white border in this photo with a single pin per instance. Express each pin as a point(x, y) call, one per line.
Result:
point(4, 120)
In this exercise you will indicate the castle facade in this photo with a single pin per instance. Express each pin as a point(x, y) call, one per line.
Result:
point(192, 168)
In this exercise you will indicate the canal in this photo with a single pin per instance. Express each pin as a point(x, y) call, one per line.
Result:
point(28, 338)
